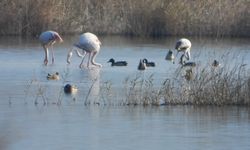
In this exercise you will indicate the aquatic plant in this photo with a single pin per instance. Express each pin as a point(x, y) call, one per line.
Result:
point(209, 86)
point(226, 84)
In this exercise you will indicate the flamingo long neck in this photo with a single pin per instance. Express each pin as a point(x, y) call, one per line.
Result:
point(70, 54)
point(188, 54)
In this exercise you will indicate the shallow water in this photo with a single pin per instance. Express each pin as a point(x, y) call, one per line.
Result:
point(21, 61)
point(72, 125)
point(94, 128)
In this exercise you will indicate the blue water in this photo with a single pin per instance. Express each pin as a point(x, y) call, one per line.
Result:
point(94, 128)
point(72, 125)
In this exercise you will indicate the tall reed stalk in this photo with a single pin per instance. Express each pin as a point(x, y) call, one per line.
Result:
point(132, 17)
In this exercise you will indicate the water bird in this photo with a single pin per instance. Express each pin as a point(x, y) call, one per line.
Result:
point(148, 64)
point(170, 56)
point(142, 65)
point(70, 89)
point(183, 45)
point(189, 74)
point(88, 43)
point(186, 64)
point(117, 63)
point(53, 76)
point(215, 63)
point(48, 39)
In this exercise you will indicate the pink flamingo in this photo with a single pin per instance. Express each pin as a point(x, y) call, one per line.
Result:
point(47, 39)
point(88, 43)
point(183, 45)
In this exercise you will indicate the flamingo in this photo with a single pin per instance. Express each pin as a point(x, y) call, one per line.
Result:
point(48, 39)
point(88, 43)
point(183, 45)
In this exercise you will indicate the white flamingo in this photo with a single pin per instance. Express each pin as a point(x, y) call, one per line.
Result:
point(183, 45)
point(48, 39)
point(88, 43)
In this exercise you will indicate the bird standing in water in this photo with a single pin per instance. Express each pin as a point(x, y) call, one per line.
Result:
point(48, 39)
point(117, 63)
point(88, 43)
point(183, 45)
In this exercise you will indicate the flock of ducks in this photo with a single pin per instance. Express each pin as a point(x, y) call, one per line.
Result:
point(90, 44)
point(143, 63)
point(68, 88)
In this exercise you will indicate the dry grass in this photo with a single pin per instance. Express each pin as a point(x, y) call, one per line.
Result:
point(140, 17)
point(209, 86)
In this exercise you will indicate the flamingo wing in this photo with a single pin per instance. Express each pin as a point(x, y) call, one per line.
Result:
point(183, 44)
point(89, 42)
point(47, 37)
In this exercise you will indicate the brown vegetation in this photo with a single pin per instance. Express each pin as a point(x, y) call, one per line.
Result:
point(132, 17)
point(209, 86)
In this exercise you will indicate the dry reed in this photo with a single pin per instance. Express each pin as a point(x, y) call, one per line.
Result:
point(209, 86)
point(140, 17)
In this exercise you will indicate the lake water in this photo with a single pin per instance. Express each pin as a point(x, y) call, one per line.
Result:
point(72, 125)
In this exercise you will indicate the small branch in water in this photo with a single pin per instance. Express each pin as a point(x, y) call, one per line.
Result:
point(90, 89)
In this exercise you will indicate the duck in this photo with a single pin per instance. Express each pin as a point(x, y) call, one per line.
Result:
point(70, 89)
point(186, 64)
point(142, 65)
point(189, 75)
point(148, 64)
point(117, 63)
point(170, 56)
point(53, 76)
point(215, 63)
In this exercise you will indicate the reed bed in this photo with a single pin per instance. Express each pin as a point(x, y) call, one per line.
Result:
point(137, 18)
point(207, 86)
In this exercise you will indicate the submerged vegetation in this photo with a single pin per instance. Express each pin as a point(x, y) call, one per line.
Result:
point(131, 17)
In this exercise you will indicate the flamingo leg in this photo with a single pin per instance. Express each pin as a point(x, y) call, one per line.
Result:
point(70, 54)
point(187, 54)
point(52, 53)
point(89, 59)
point(93, 59)
point(83, 56)
point(46, 50)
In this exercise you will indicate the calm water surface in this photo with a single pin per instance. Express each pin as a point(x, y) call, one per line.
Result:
point(72, 125)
